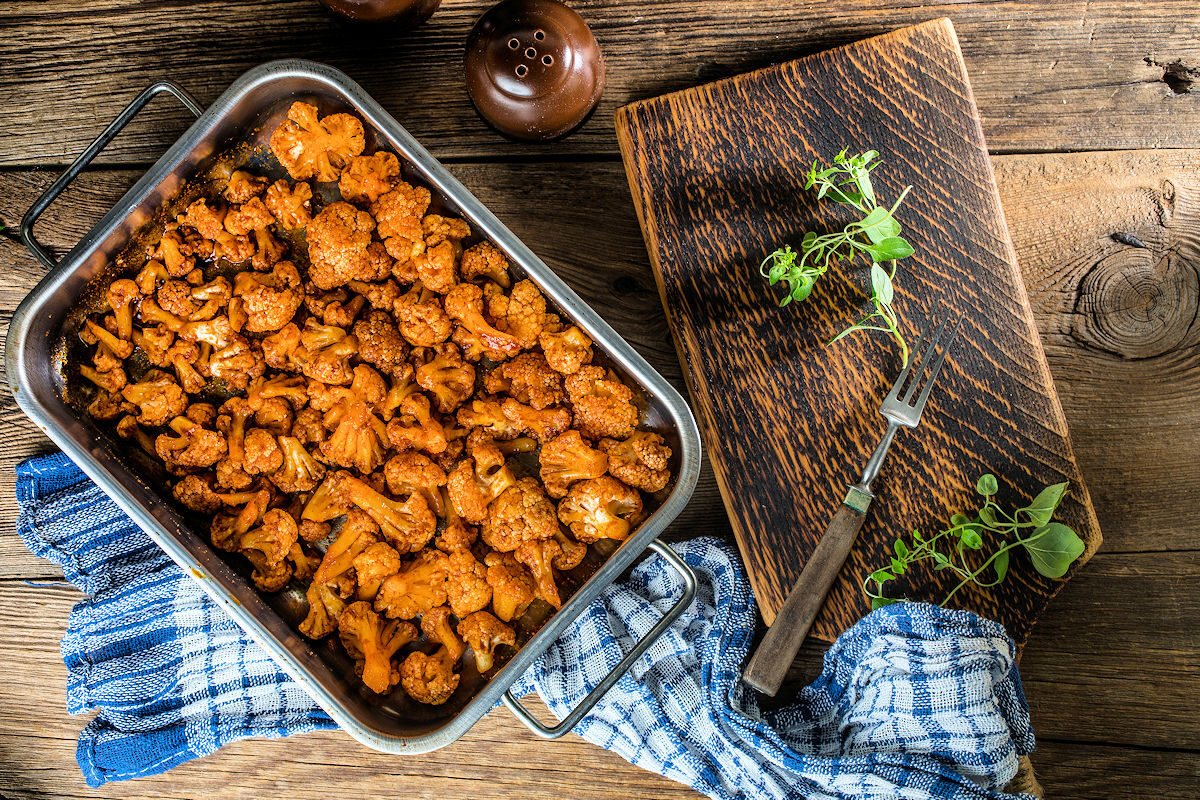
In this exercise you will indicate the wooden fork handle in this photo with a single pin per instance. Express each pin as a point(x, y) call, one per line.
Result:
point(770, 662)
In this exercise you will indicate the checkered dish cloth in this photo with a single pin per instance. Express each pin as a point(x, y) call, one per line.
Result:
point(913, 702)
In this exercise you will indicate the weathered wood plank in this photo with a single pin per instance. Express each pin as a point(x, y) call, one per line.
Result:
point(1047, 75)
point(1070, 769)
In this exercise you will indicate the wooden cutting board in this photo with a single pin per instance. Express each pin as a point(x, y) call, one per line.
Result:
point(717, 175)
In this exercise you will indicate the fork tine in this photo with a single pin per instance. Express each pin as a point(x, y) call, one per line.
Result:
point(937, 365)
point(927, 356)
point(894, 394)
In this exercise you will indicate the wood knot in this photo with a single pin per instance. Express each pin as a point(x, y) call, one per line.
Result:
point(1137, 303)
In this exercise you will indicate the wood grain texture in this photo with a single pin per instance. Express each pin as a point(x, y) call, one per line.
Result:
point(790, 422)
point(1049, 75)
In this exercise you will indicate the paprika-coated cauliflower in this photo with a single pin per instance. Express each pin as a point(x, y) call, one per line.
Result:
point(567, 350)
point(358, 533)
point(512, 585)
point(300, 472)
point(521, 513)
point(418, 587)
point(261, 453)
point(194, 446)
point(380, 343)
point(414, 428)
point(368, 177)
point(541, 425)
point(269, 299)
point(373, 566)
point(484, 260)
point(358, 436)
point(566, 459)
point(420, 317)
point(290, 204)
point(603, 405)
point(325, 606)
point(339, 240)
point(398, 214)
point(158, 398)
point(639, 461)
point(478, 479)
point(467, 589)
point(483, 633)
point(411, 472)
point(538, 557)
point(529, 379)
point(600, 508)
point(407, 526)
point(447, 377)
point(464, 305)
point(309, 146)
point(372, 642)
point(429, 679)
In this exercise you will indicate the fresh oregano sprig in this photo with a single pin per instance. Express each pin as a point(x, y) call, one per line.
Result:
point(847, 181)
point(978, 548)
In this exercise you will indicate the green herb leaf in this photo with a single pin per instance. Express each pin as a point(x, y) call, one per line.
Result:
point(893, 248)
point(880, 602)
point(882, 284)
point(971, 539)
point(1000, 564)
point(881, 575)
point(1053, 548)
point(987, 517)
point(1043, 506)
point(987, 485)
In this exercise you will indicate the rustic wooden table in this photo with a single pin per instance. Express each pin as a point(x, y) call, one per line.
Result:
point(1079, 103)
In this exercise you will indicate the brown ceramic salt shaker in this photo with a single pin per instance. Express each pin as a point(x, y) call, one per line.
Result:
point(402, 13)
point(534, 69)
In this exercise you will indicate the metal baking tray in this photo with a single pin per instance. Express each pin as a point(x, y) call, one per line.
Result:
point(245, 114)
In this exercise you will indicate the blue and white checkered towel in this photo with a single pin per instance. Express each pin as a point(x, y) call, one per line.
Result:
point(914, 701)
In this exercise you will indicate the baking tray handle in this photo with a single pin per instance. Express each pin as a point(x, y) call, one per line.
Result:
point(580, 711)
point(85, 158)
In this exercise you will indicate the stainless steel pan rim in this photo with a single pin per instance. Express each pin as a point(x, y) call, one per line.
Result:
point(27, 361)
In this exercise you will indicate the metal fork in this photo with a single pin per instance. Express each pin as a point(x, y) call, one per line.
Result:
point(902, 408)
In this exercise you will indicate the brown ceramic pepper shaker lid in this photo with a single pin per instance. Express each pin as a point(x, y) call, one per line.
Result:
point(402, 13)
point(534, 69)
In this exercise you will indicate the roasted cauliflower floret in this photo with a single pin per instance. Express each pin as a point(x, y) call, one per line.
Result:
point(435, 267)
point(237, 364)
point(639, 461)
point(194, 446)
point(416, 588)
point(324, 353)
point(512, 585)
point(420, 317)
point(339, 239)
point(408, 526)
point(261, 452)
point(525, 314)
point(538, 557)
point(488, 416)
point(380, 342)
point(447, 377)
point(484, 260)
point(410, 472)
point(467, 589)
point(158, 398)
point(398, 214)
point(429, 679)
point(483, 633)
point(291, 205)
point(372, 642)
point(312, 147)
point(269, 299)
point(464, 305)
point(600, 508)
point(249, 217)
point(358, 533)
point(243, 186)
point(567, 350)
point(529, 379)
point(267, 548)
point(359, 436)
point(414, 428)
point(300, 472)
point(603, 405)
point(239, 517)
point(373, 566)
point(122, 296)
point(437, 627)
point(197, 494)
point(542, 425)
point(368, 177)
point(566, 459)
point(479, 479)
point(325, 607)
point(521, 513)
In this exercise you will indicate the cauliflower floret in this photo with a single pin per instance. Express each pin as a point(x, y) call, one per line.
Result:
point(484, 260)
point(267, 548)
point(566, 459)
point(237, 364)
point(243, 186)
point(122, 296)
point(274, 414)
point(271, 299)
point(512, 585)
point(436, 625)
point(324, 353)
point(525, 314)
point(464, 304)
point(337, 307)
point(357, 534)
point(603, 405)
point(435, 267)
point(414, 427)
point(158, 398)
point(107, 406)
point(112, 380)
point(248, 217)
point(542, 425)
point(372, 641)
point(196, 493)
point(309, 147)
point(261, 452)
point(479, 479)
point(268, 250)
point(447, 377)
point(640, 461)
point(227, 528)
point(529, 379)
point(338, 247)
point(94, 333)
point(457, 535)
point(373, 566)
point(521, 513)
point(299, 472)
point(291, 389)
point(408, 526)
point(438, 229)
point(600, 508)
point(567, 350)
point(467, 589)
point(411, 472)
point(193, 447)
point(420, 317)
point(359, 437)
point(291, 205)
point(304, 564)
point(415, 589)
point(429, 679)
point(367, 177)
point(398, 214)
point(380, 343)
point(281, 350)
point(331, 499)
point(538, 557)
point(325, 607)
point(488, 416)
point(381, 294)
point(483, 633)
